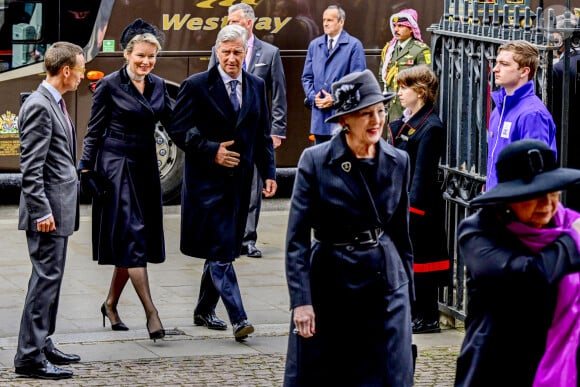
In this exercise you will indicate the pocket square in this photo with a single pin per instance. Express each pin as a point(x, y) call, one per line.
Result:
point(96, 185)
point(260, 64)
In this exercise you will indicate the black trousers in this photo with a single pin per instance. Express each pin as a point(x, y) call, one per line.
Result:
point(219, 280)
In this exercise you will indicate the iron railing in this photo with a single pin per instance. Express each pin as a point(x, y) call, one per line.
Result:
point(464, 46)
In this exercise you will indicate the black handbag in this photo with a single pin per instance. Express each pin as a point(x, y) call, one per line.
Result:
point(95, 185)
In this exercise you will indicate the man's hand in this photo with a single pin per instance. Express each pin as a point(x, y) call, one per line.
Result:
point(304, 321)
point(225, 157)
point(46, 225)
point(323, 100)
point(270, 189)
point(277, 141)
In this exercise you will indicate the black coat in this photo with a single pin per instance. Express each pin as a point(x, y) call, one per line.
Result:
point(423, 138)
point(127, 227)
point(215, 199)
point(512, 295)
point(361, 296)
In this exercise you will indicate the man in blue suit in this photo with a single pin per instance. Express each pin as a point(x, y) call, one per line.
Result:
point(263, 60)
point(330, 57)
point(49, 208)
point(222, 122)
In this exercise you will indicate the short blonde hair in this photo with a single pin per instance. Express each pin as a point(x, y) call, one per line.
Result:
point(142, 38)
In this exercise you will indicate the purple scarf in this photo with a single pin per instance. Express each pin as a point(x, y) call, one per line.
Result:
point(558, 364)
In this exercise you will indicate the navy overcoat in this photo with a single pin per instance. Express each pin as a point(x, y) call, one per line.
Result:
point(361, 296)
point(215, 199)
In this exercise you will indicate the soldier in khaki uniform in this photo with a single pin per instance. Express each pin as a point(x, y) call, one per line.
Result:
point(405, 50)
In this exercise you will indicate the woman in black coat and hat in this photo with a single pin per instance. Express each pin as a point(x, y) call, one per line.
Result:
point(518, 250)
point(351, 284)
point(120, 146)
point(422, 135)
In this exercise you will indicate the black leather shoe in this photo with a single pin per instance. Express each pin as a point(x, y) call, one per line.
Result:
point(242, 329)
point(60, 358)
point(210, 320)
point(423, 326)
point(44, 370)
point(253, 251)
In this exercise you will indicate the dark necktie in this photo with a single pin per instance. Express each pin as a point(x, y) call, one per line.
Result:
point(67, 117)
point(234, 96)
point(330, 45)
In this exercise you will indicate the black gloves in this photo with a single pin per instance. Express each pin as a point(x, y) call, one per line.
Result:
point(95, 185)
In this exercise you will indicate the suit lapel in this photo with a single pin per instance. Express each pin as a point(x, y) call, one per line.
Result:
point(344, 165)
point(64, 126)
point(256, 55)
point(129, 88)
point(248, 97)
point(218, 94)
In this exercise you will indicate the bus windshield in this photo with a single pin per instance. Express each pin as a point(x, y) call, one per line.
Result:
point(25, 35)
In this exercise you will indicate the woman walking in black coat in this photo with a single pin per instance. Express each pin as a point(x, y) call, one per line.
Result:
point(351, 285)
point(120, 145)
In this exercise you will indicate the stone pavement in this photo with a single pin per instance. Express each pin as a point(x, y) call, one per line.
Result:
point(189, 355)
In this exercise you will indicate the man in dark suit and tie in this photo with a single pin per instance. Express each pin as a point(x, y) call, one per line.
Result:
point(263, 60)
point(222, 122)
point(49, 208)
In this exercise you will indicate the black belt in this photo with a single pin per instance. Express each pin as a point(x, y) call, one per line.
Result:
point(361, 238)
point(125, 136)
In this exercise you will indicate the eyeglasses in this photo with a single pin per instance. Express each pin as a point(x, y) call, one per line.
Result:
point(81, 69)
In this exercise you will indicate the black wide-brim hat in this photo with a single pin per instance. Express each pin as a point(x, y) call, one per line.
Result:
point(526, 169)
point(356, 91)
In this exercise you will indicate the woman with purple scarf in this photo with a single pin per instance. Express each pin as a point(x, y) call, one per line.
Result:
point(522, 256)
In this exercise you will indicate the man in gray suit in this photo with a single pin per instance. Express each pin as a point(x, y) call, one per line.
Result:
point(49, 208)
point(264, 61)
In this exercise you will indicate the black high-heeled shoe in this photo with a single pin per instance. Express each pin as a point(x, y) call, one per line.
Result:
point(116, 327)
point(156, 335)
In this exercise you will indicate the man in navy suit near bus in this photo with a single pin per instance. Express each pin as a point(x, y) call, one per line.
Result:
point(263, 60)
point(222, 122)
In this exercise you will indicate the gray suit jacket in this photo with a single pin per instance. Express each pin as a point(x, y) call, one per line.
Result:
point(48, 165)
point(266, 63)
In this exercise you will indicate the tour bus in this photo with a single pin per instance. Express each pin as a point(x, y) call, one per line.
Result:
point(28, 27)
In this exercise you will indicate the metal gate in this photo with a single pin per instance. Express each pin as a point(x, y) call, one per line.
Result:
point(464, 45)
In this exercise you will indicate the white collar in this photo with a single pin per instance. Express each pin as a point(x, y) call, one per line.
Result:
point(226, 78)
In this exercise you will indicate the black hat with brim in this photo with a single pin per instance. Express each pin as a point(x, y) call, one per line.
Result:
point(356, 91)
point(526, 169)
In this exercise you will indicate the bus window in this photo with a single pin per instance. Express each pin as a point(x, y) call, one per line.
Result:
point(21, 26)
point(77, 20)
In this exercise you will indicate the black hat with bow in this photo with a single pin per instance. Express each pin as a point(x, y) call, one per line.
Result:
point(356, 91)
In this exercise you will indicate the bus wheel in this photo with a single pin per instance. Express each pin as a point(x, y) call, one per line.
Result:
point(170, 162)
